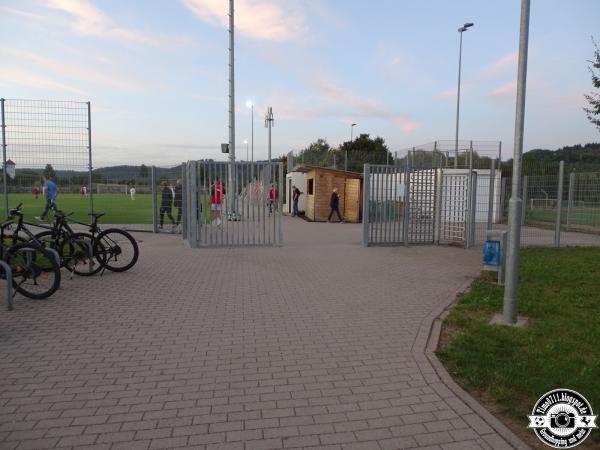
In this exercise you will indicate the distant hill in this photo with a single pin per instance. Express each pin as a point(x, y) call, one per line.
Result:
point(580, 157)
point(114, 174)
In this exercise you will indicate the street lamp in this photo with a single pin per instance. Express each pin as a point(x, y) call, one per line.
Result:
point(246, 142)
point(346, 153)
point(460, 30)
point(250, 105)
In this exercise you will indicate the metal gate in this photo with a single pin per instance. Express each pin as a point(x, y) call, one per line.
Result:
point(233, 204)
point(404, 205)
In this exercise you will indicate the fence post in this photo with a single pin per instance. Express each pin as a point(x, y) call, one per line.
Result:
point(471, 216)
point(4, 176)
point(366, 206)
point(492, 187)
point(524, 205)
point(154, 209)
point(561, 176)
point(502, 197)
point(406, 222)
point(90, 168)
point(437, 226)
point(280, 201)
point(571, 198)
point(183, 200)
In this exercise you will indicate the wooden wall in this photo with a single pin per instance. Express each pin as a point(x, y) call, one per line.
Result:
point(317, 205)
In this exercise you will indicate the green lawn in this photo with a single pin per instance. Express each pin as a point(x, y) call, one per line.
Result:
point(581, 216)
point(119, 208)
point(560, 293)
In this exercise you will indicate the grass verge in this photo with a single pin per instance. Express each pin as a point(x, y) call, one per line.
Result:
point(508, 369)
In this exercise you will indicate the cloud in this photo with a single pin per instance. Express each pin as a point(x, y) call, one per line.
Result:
point(502, 65)
point(21, 77)
point(448, 94)
point(508, 90)
point(71, 71)
point(89, 20)
point(259, 19)
point(361, 106)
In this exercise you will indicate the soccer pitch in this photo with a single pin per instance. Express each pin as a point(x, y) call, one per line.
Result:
point(119, 208)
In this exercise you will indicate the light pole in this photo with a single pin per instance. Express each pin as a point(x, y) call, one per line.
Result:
point(460, 30)
point(346, 153)
point(246, 142)
point(269, 121)
point(250, 105)
point(509, 312)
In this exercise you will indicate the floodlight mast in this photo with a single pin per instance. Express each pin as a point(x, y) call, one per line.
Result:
point(460, 30)
point(269, 123)
point(230, 188)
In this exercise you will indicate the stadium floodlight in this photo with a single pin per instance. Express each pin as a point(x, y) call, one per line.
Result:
point(460, 30)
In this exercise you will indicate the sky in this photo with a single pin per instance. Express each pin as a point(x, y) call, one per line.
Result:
point(156, 71)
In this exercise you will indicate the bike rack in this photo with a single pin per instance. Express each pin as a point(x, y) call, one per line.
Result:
point(9, 284)
point(90, 250)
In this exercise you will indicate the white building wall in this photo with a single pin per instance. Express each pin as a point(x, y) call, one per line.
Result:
point(294, 179)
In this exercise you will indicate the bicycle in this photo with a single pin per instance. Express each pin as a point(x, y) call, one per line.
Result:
point(35, 269)
point(75, 252)
point(114, 249)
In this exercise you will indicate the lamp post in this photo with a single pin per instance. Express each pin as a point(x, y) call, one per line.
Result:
point(250, 105)
point(460, 30)
point(246, 142)
point(346, 153)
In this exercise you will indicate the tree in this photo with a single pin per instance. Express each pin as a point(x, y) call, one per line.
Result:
point(144, 171)
point(364, 150)
point(317, 153)
point(49, 172)
point(593, 98)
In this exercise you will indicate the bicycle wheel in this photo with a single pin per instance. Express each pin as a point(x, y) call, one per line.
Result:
point(99, 251)
point(120, 249)
point(63, 247)
point(35, 272)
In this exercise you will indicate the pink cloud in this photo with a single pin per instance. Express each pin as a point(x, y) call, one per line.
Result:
point(501, 65)
point(259, 19)
point(21, 77)
point(89, 20)
point(74, 72)
point(506, 90)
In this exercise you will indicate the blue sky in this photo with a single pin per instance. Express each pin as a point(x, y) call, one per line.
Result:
point(156, 71)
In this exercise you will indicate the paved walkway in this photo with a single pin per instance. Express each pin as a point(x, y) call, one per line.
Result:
point(319, 344)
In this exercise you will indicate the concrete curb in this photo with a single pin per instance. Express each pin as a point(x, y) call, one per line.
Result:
point(432, 328)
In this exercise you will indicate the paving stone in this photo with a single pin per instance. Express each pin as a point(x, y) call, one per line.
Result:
point(307, 345)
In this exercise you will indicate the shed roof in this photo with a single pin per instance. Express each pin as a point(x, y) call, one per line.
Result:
point(304, 169)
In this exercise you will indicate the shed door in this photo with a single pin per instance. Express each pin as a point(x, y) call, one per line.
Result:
point(352, 200)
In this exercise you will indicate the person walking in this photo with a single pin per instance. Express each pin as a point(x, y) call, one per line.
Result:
point(273, 197)
point(166, 204)
point(334, 205)
point(295, 197)
point(178, 203)
point(217, 191)
point(132, 192)
point(49, 190)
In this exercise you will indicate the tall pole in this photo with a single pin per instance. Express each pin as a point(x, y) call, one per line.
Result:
point(230, 172)
point(4, 175)
point(515, 203)
point(252, 110)
point(90, 168)
point(458, 102)
point(269, 124)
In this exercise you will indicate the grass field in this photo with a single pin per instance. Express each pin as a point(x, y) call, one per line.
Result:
point(510, 368)
point(119, 208)
point(581, 216)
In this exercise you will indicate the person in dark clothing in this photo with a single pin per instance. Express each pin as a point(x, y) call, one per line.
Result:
point(178, 202)
point(334, 205)
point(166, 204)
point(295, 197)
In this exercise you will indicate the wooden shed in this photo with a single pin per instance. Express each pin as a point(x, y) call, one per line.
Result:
point(319, 183)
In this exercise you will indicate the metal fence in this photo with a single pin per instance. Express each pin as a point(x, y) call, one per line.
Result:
point(233, 204)
point(42, 137)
